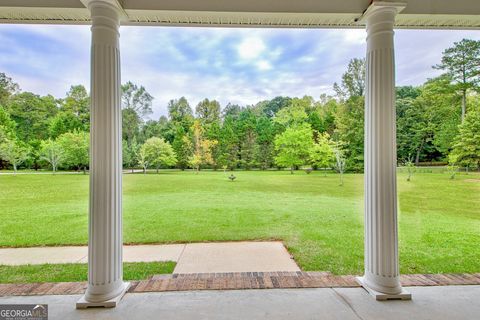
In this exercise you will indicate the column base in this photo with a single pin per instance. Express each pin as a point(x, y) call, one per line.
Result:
point(380, 296)
point(112, 303)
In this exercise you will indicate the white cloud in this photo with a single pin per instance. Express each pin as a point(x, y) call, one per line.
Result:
point(355, 36)
point(264, 65)
point(251, 48)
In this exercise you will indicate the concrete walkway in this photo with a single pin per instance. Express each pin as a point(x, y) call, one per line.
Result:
point(190, 258)
point(439, 303)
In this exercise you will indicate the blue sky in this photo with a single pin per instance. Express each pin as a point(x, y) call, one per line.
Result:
point(240, 66)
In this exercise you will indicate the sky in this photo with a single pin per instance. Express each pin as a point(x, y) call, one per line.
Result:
point(241, 66)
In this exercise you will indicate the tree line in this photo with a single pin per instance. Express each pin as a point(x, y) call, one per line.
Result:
point(438, 121)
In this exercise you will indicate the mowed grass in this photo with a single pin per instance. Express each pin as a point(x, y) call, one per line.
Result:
point(320, 222)
point(71, 272)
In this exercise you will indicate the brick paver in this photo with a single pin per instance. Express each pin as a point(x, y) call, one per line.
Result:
point(238, 280)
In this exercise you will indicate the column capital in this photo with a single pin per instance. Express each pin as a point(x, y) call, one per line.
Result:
point(381, 6)
point(113, 4)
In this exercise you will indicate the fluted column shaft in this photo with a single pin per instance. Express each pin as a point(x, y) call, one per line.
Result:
point(105, 274)
point(381, 236)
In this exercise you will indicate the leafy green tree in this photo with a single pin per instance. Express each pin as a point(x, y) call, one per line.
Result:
point(130, 154)
point(32, 114)
point(64, 122)
point(136, 104)
point(265, 131)
point(462, 62)
point(272, 107)
point(131, 122)
point(208, 112)
point(137, 99)
point(327, 107)
point(77, 103)
point(14, 152)
point(158, 152)
point(143, 159)
point(182, 145)
point(232, 110)
point(246, 131)
point(180, 113)
point(52, 152)
point(353, 80)
point(340, 162)
point(7, 88)
point(229, 142)
point(202, 148)
point(321, 154)
point(293, 146)
point(466, 149)
point(162, 128)
point(295, 113)
point(349, 124)
point(76, 149)
point(414, 129)
point(7, 126)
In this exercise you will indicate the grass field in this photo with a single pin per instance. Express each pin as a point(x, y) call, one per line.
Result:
point(67, 272)
point(320, 222)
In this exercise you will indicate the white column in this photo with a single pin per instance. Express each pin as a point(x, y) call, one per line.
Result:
point(105, 273)
point(381, 237)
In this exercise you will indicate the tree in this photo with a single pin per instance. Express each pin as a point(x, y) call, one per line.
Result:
point(462, 63)
point(182, 146)
point(322, 154)
point(130, 125)
point(76, 149)
point(353, 80)
point(466, 149)
point(143, 159)
point(52, 152)
point(270, 108)
point(158, 152)
point(349, 124)
point(7, 126)
point(180, 113)
point(245, 129)
point(411, 168)
point(229, 142)
point(202, 148)
point(295, 114)
point(77, 103)
point(136, 104)
point(64, 122)
point(130, 154)
point(137, 99)
point(7, 88)
point(293, 146)
point(14, 152)
point(232, 110)
point(265, 132)
point(341, 163)
point(208, 112)
point(32, 114)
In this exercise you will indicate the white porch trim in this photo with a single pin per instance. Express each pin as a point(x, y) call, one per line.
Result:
point(425, 14)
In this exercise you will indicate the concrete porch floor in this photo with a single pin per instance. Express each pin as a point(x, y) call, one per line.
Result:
point(449, 302)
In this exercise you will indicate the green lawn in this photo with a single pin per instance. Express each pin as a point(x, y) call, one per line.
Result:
point(77, 272)
point(320, 222)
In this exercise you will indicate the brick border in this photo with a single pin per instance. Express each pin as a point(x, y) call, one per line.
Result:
point(237, 281)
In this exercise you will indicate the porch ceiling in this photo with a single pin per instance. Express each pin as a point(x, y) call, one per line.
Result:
point(418, 14)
